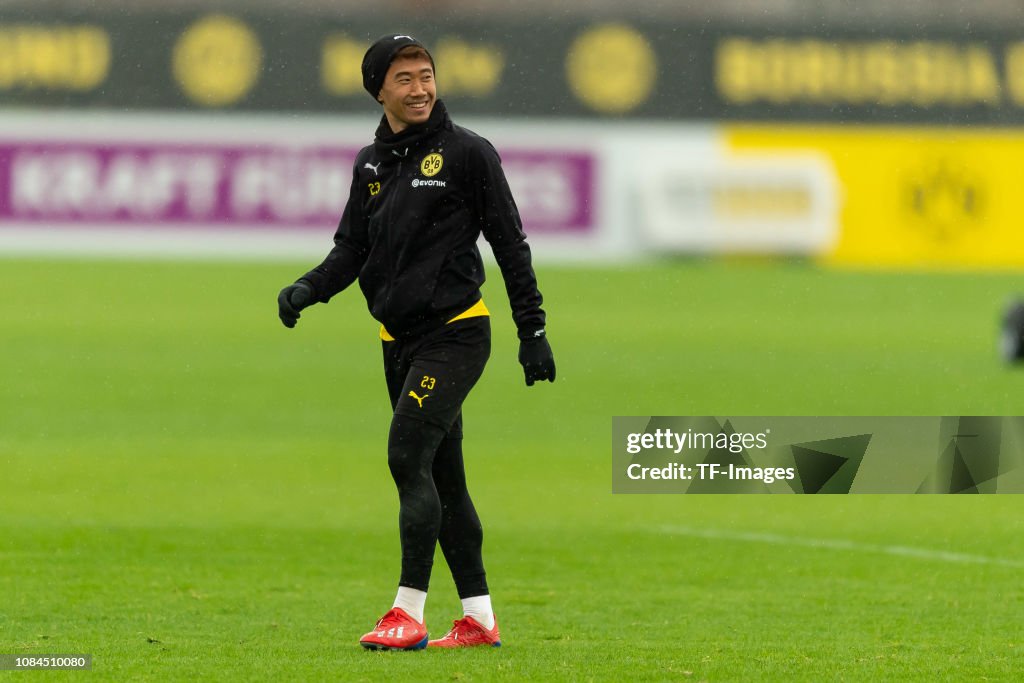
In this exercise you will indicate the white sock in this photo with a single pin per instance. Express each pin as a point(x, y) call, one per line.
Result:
point(412, 601)
point(479, 607)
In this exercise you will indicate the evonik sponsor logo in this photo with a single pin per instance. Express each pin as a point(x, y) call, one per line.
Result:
point(416, 182)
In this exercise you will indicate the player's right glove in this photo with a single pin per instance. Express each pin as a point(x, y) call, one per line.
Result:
point(293, 299)
point(537, 359)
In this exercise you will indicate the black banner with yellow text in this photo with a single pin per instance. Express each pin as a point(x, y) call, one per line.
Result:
point(567, 68)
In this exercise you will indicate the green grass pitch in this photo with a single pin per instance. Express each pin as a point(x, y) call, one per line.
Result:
point(192, 492)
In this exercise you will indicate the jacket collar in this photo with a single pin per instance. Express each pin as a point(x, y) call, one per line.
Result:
point(391, 145)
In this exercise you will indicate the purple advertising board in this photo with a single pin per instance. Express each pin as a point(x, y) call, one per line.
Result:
point(134, 185)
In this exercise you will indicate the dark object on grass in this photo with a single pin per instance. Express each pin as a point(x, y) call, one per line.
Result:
point(1011, 337)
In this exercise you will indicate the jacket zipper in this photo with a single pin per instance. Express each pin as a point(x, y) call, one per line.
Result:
point(390, 243)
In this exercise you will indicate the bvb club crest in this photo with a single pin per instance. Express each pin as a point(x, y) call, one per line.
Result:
point(431, 164)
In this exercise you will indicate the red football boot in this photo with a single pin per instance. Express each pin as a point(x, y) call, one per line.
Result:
point(396, 630)
point(468, 632)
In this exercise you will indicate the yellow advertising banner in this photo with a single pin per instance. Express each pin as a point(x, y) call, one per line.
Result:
point(913, 197)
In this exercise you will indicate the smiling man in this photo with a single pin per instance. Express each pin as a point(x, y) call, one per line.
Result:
point(421, 196)
point(408, 93)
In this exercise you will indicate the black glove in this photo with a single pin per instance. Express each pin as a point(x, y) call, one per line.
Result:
point(293, 299)
point(537, 360)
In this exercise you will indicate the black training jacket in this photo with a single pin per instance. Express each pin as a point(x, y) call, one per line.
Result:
point(419, 201)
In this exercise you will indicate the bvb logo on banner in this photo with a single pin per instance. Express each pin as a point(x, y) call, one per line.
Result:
point(611, 68)
point(944, 198)
point(217, 60)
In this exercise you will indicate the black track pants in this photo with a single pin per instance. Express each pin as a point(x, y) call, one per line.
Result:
point(428, 379)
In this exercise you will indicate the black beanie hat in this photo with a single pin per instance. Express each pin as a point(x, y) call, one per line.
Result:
point(378, 59)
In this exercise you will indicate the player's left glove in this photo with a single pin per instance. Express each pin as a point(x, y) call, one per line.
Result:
point(537, 360)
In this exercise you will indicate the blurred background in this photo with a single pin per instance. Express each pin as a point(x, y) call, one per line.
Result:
point(858, 134)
